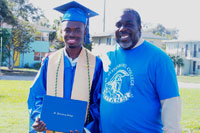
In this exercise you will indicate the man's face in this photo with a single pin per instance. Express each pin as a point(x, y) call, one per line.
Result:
point(128, 31)
point(73, 33)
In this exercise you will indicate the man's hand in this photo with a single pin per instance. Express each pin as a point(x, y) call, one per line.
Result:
point(46, 55)
point(39, 126)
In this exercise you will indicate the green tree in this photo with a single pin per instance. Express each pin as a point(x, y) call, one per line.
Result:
point(57, 24)
point(44, 22)
point(24, 10)
point(165, 32)
point(22, 13)
point(58, 41)
point(6, 13)
point(173, 59)
point(52, 36)
point(22, 35)
point(88, 46)
point(6, 41)
point(178, 63)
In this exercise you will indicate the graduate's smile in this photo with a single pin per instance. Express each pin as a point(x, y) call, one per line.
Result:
point(72, 41)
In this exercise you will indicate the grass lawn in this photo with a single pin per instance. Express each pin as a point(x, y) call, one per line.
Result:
point(189, 79)
point(14, 113)
point(13, 107)
point(190, 110)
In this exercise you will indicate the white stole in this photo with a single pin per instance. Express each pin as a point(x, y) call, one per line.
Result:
point(55, 76)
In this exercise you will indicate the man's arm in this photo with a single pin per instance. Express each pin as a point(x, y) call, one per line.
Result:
point(171, 115)
point(167, 89)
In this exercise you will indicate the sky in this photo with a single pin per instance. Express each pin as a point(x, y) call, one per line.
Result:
point(180, 14)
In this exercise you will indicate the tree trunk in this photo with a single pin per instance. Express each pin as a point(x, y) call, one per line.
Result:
point(15, 59)
point(178, 70)
point(9, 60)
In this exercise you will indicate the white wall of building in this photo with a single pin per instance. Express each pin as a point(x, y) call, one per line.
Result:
point(189, 51)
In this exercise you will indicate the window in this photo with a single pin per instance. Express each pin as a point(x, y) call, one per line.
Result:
point(186, 50)
point(198, 47)
point(41, 36)
point(182, 49)
point(44, 36)
point(99, 41)
point(108, 41)
point(38, 56)
point(194, 67)
point(38, 36)
point(195, 50)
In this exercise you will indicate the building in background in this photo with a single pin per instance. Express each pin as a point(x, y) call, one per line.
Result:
point(106, 40)
point(39, 47)
point(189, 51)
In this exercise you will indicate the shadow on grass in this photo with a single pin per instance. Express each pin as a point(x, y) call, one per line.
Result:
point(18, 73)
point(2, 96)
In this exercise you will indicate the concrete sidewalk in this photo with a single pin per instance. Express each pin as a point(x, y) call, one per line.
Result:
point(31, 78)
point(26, 78)
point(188, 85)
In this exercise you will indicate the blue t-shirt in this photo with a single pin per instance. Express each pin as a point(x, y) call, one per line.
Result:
point(134, 83)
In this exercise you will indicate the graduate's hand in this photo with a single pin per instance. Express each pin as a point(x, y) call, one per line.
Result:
point(73, 131)
point(76, 131)
point(39, 126)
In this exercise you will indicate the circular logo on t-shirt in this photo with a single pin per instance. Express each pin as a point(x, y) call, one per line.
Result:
point(119, 84)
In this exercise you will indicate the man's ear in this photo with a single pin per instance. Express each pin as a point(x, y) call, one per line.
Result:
point(140, 27)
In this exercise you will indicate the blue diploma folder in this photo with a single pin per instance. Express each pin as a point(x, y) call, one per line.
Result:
point(63, 115)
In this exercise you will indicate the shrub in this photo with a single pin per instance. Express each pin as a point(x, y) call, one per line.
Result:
point(37, 65)
point(26, 65)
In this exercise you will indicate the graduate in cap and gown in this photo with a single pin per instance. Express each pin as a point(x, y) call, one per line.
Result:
point(71, 72)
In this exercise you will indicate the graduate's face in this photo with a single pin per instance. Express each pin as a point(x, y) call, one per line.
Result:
point(128, 31)
point(73, 33)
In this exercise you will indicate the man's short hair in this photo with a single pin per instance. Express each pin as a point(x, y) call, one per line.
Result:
point(135, 13)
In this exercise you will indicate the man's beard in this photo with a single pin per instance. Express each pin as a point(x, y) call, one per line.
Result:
point(131, 43)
